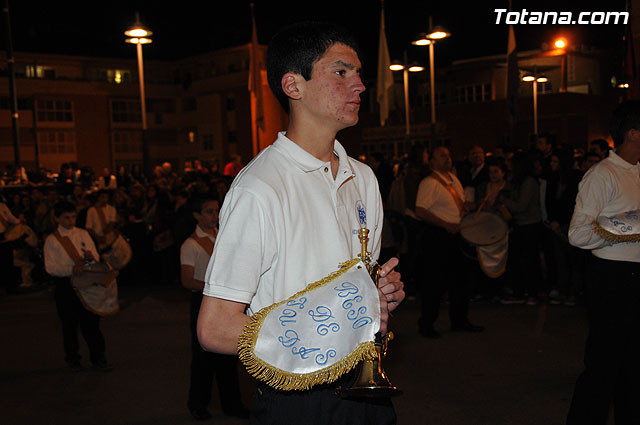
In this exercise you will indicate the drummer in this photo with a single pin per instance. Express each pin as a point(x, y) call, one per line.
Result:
point(101, 219)
point(440, 204)
point(611, 187)
point(61, 266)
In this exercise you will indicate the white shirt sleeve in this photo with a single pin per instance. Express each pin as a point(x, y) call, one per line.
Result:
point(592, 198)
point(245, 248)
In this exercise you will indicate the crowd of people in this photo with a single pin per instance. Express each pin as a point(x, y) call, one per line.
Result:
point(533, 191)
point(151, 213)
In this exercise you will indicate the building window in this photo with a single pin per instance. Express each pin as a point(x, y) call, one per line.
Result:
point(56, 142)
point(123, 111)
point(118, 76)
point(37, 71)
point(232, 137)
point(231, 103)
point(127, 142)
point(207, 141)
point(473, 93)
point(54, 110)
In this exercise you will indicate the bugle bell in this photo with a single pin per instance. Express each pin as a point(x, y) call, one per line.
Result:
point(371, 380)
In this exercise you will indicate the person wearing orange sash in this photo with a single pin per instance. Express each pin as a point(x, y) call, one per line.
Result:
point(101, 219)
point(194, 258)
point(440, 204)
point(65, 251)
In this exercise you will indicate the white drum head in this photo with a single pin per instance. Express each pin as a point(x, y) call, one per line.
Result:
point(483, 228)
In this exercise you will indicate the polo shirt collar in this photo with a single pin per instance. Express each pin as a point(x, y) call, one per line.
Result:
point(615, 158)
point(202, 234)
point(308, 162)
point(65, 232)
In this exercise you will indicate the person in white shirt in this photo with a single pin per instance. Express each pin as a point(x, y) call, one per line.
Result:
point(440, 204)
point(612, 354)
point(290, 216)
point(194, 258)
point(102, 219)
point(61, 266)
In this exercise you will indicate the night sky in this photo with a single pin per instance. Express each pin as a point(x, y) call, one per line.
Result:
point(186, 28)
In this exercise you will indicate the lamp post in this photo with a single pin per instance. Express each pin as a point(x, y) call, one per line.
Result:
point(535, 80)
point(138, 34)
point(429, 39)
point(405, 68)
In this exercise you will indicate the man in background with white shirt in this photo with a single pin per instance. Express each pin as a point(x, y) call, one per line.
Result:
point(612, 353)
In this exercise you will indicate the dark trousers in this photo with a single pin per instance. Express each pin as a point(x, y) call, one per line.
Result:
point(612, 352)
point(319, 406)
point(9, 272)
point(204, 365)
point(524, 268)
point(445, 269)
point(73, 315)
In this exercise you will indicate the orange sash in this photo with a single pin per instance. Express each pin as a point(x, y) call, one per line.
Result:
point(68, 247)
point(204, 242)
point(451, 190)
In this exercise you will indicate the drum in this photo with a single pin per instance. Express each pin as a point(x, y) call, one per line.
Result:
point(119, 254)
point(487, 241)
point(18, 231)
point(97, 288)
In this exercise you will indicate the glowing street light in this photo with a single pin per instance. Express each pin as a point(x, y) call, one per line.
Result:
point(429, 39)
point(535, 80)
point(138, 34)
point(398, 66)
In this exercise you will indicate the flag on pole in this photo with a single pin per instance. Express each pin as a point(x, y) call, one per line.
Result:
point(629, 65)
point(513, 77)
point(385, 77)
point(255, 78)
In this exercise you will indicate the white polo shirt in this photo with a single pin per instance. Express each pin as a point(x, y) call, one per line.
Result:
point(56, 260)
point(435, 198)
point(609, 188)
point(193, 254)
point(286, 223)
point(93, 220)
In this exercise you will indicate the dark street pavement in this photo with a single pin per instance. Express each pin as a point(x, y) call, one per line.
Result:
point(520, 371)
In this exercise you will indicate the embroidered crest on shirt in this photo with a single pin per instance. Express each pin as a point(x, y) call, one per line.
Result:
point(361, 214)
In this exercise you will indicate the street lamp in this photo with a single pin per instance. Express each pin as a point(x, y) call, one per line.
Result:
point(535, 80)
point(429, 39)
point(398, 66)
point(138, 34)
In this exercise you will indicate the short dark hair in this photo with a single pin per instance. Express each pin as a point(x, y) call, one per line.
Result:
point(297, 47)
point(625, 117)
point(197, 201)
point(602, 144)
point(62, 207)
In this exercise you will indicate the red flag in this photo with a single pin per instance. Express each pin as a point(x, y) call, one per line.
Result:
point(385, 77)
point(255, 77)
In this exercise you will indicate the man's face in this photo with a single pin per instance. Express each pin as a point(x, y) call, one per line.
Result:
point(476, 156)
point(207, 218)
point(103, 198)
point(441, 160)
point(542, 145)
point(67, 220)
point(333, 92)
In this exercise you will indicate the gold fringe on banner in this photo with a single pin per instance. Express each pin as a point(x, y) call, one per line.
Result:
point(612, 237)
point(287, 381)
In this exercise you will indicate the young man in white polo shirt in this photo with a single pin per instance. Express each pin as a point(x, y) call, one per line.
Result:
point(612, 353)
point(291, 217)
point(194, 258)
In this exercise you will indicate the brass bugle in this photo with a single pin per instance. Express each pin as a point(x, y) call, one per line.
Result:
point(371, 380)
